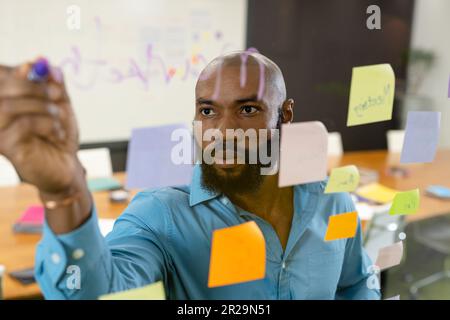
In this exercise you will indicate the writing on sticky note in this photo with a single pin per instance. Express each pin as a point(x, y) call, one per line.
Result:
point(342, 226)
point(405, 202)
point(377, 193)
point(238, 254)
point(421, 136)
point(303, 153)
point(371, 94)
point(154, 291)
point(343, 179)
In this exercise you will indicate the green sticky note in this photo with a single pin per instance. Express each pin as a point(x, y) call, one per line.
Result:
point(101, 184)
point(154, 291)
point(371, 94)
point(406, 202)
point(343, 179)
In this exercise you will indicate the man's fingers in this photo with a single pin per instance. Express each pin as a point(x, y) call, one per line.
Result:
point(13, 87)
point(26, 128)
point(14, 83)
point(48, 128)
point(13, 108)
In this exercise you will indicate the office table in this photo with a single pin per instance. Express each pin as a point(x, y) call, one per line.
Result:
point(17, 250)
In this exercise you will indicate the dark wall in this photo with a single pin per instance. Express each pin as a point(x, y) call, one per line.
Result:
point(317, 42)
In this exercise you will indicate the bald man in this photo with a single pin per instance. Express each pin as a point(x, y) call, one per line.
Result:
point(165, 234)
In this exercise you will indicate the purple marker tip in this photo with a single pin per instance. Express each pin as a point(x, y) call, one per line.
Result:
point(39, 71)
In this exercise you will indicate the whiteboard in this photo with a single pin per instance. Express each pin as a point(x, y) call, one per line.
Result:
point(131, 63)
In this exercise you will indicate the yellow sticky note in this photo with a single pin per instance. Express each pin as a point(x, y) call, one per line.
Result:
point(238, 254)
point(377, 192)
point(342, 226)
point(371, 94)
point(406, 202)
point(343, 179)
point(154, 291)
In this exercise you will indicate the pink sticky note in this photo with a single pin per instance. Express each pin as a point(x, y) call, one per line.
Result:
point(303, 153)
point(33, 215)
point(390, 256)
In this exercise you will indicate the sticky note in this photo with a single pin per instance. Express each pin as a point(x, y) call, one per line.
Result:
point(342, 226)
point(371, 94)
point(303, 153)
point(154, 291)
point(421, 136)
point(343, 179)
point(405, 202)
point(153, 159)
point(33, 215)
point(238, 254)
point(390, 256)
point(377, 193)
point(102, 184)
point(438, 191)
point(448, 92)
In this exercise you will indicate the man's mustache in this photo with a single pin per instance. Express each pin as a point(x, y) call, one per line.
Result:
point(221, 150)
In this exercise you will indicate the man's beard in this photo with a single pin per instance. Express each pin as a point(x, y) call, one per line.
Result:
point(247, 182)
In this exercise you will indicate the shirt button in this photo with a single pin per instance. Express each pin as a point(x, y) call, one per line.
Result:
point(224, 201)
point(78, 254)
point(283, 265)
point(55, 258)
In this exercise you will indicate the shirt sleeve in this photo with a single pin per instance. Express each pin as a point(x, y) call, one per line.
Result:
point(354, 283)
point(83, 264)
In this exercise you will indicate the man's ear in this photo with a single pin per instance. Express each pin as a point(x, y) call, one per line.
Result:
point(287, 111)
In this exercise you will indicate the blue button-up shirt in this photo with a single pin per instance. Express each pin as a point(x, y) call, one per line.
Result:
point(165, 234)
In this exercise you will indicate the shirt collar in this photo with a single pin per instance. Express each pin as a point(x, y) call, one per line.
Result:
point(198, 192)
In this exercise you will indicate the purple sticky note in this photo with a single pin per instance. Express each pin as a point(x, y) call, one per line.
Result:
point(421, 136)
point(159, 157)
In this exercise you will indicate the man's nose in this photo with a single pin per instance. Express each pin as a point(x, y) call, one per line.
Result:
point(227, 122)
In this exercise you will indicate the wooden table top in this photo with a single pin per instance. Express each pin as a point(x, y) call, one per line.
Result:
point(17, 250)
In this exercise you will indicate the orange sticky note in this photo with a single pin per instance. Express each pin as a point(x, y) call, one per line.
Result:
point(238, 254)
point(342, 226)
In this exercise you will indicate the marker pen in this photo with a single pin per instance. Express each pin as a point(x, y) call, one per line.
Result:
point(39, 71)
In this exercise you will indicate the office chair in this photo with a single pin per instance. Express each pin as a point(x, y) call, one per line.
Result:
point(395, 140)
point(97, 162)
point(8, 175)
point(335, 148)
point(434, 233)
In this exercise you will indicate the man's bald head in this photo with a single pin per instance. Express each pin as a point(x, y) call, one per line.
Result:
point(240, 91)
point(250, 65)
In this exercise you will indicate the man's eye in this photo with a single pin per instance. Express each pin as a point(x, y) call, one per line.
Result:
point(249, 109)
point(207, 111)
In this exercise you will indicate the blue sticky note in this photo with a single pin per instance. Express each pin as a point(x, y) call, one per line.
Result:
point(421, 136)
point(155, 157)
point(439, 191)
point(102, 184)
